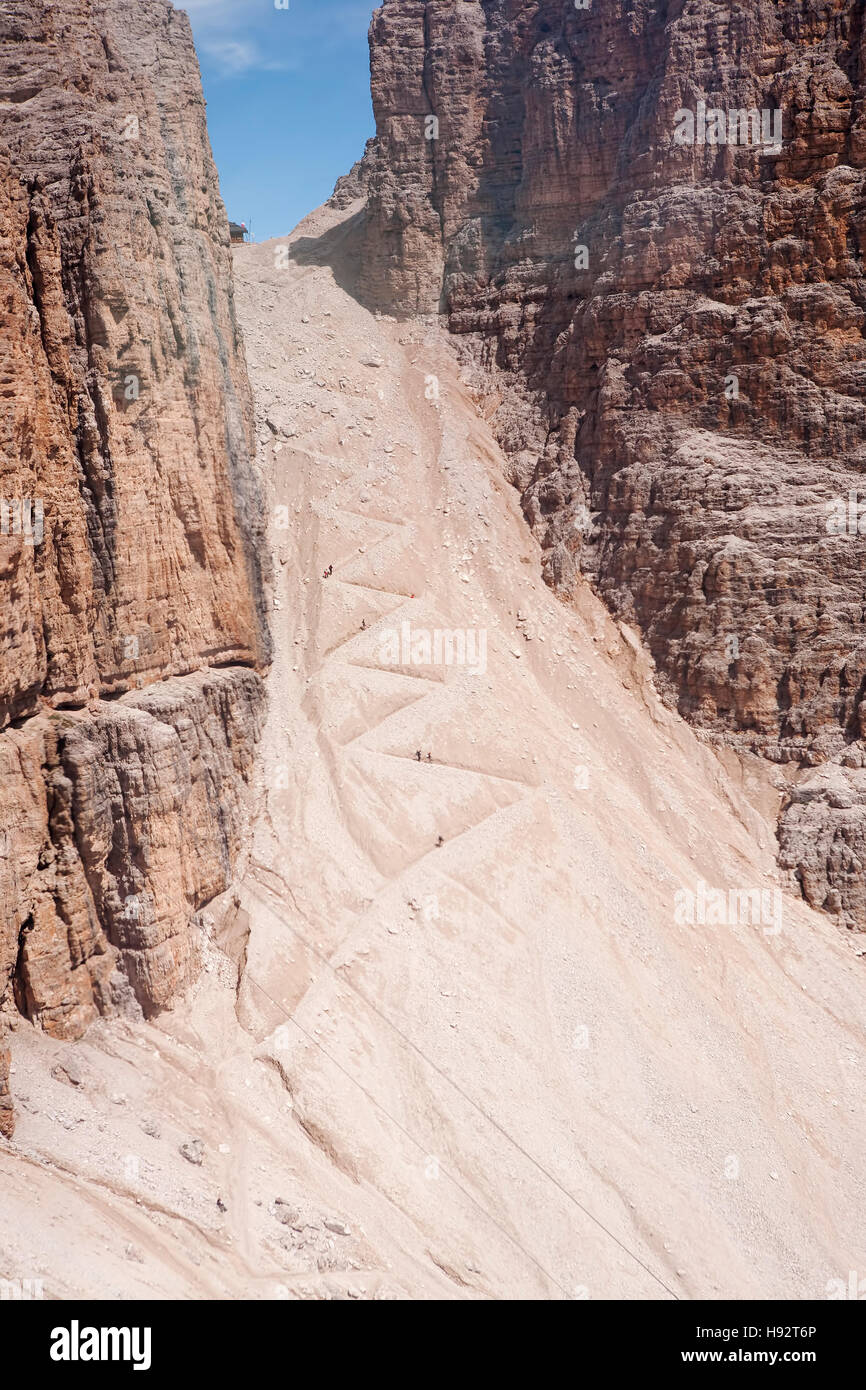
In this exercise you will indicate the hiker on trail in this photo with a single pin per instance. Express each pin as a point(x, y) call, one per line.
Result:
point(440, 842)
point(429, 757)
point(363, 624)
point(418, 754)
point(328, 572)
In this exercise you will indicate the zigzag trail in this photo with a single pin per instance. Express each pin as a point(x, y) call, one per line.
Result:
point(372, 636)
point(501, 1063)
point(517, 1009)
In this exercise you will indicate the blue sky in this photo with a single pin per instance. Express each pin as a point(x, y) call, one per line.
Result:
point(288, 93)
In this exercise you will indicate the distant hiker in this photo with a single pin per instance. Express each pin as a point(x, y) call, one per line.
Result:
point(440, 842)
point(418, 754)
point(363, 624)
point(429, 757)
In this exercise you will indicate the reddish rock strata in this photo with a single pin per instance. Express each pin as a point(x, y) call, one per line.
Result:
point(130, 517)
point(669, 337)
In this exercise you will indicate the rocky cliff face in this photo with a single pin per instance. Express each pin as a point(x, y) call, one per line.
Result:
point(647, 222)
point(132, 615)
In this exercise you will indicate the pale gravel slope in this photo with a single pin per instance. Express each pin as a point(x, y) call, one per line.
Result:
point(508, 1070)
point(555, 905)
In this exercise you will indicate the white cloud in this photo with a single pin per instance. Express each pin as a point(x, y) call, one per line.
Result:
point(217, 9)
point(239, 55)
point(240, 35)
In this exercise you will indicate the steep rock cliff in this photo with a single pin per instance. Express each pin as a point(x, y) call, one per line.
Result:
point(132, 607)
point(647, 223)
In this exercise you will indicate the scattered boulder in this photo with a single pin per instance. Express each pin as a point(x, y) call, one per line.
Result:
point(193, 1152)
point(68, 1071)
point(284, 1212)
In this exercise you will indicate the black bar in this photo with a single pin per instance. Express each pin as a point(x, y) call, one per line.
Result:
point(263, 1339)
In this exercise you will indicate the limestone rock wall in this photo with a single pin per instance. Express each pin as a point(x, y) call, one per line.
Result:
point(132, 597)
point(668, 336)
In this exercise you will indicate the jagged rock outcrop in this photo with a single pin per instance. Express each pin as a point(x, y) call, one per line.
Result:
point(141, 802)
point(356, 183)
point(130, 513)
point(647, 225)
point(822, 837)
point(7, 1118)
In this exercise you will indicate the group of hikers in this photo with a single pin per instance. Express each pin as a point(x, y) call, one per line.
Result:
point(419, 756)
